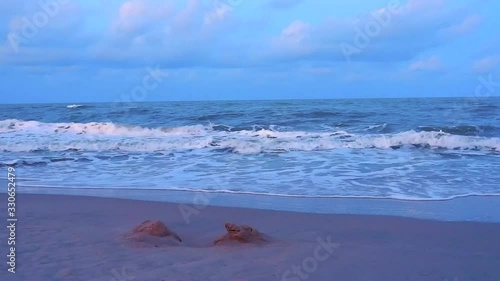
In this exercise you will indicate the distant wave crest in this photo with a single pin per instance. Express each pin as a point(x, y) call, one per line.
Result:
point(76, 106)
point(464, 130)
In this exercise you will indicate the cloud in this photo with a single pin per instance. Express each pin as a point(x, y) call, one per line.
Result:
point(431, 64)
point(466, 26)
point(295, 33)
point(199, 33)
point(134, 16)
point(486, 65)
point(218, 13)
point(34, 17)
point(395, 33)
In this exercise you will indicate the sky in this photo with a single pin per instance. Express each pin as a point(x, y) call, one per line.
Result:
point(152, 50)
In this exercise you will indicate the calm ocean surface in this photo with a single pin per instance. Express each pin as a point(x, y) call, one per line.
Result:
point(416, 149)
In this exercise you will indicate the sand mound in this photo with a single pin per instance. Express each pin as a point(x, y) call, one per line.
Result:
point(153, 233)
point(240, 234)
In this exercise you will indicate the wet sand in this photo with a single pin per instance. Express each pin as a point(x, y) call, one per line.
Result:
point(83, 238)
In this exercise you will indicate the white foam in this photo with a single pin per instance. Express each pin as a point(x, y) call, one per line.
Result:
point(18, 135)
point(93, 128)
point(74, 105)
point(271, 194)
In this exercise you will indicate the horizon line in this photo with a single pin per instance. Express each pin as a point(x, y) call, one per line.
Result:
point(249, 100)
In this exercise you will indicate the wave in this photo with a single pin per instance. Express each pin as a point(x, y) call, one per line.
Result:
point(35, 136)
point(44, 161)
point(485, 108)
point(76, 106)
point(465, 130)
point(20, 163)
point(315, 114)
point(382, 128)
point(209, 117)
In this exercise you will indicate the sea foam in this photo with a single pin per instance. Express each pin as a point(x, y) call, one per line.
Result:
point(34, 135)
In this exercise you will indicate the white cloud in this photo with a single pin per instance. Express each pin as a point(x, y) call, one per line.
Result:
point(487, 64)
point(137, 14)
point(405, 29)
point(468, 25)
point(196, 31)
point(433, 63)
point(294, 40)
point(296, 32)
point(219, 11)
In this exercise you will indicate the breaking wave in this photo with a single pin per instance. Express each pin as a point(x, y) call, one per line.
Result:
point(36, 136)
point(76, 106)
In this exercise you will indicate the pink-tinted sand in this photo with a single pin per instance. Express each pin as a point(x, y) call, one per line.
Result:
point(83, 238)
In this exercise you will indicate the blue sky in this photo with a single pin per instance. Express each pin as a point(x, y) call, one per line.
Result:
point(149, 50)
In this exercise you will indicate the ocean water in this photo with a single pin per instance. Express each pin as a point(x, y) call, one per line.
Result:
point(417, 149)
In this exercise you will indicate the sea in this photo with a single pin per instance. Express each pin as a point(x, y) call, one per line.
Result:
point(411, 149)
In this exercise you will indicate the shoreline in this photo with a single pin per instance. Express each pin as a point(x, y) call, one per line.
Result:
point(80, 238)
point(243, 193)
point(480, 208)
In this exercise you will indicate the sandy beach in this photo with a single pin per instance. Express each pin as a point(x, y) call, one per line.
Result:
point(85, 238)
point(233, 140)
